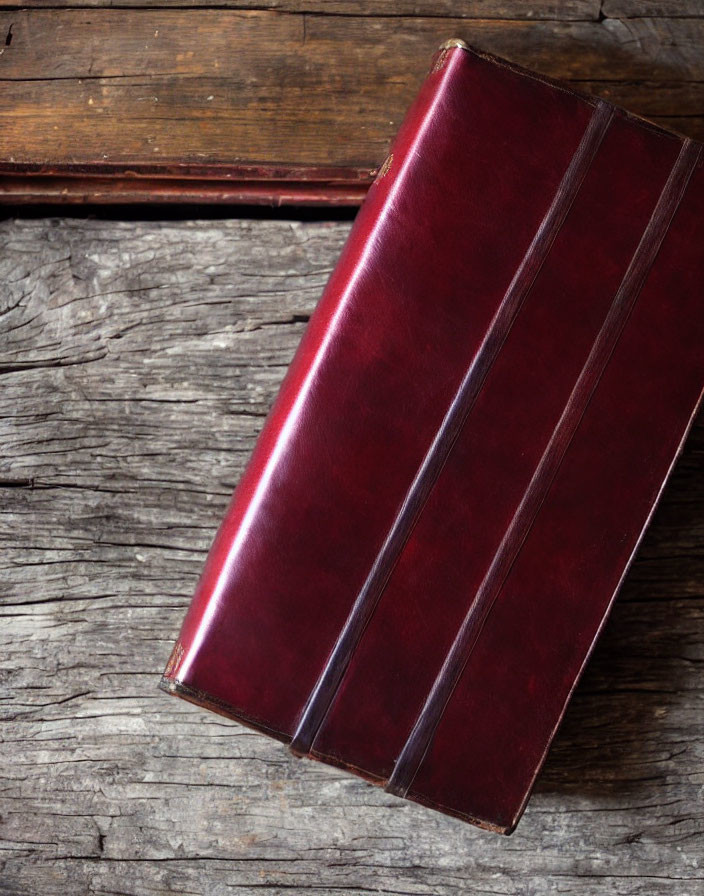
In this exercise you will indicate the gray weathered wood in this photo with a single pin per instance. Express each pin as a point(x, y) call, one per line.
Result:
point(138, 360)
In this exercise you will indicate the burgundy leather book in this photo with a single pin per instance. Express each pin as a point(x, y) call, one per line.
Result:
point(467, 447)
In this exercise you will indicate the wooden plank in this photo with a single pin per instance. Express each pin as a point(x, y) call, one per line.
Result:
point(273, 51)
point(637, 8)
point(240, 98)
point(138, 360)
point(587, 10)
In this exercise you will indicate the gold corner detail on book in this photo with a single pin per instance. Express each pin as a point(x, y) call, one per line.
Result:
point(453, 42)
point(443, 51)
point(174, 660)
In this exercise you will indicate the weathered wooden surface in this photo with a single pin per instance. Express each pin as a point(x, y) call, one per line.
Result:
point(137, 362)
point(227, 93)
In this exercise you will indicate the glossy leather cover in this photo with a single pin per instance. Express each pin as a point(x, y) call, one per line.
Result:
point(467, 447)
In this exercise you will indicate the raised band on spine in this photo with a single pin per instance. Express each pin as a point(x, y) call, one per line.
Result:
point(326, 687)
point(423, 731)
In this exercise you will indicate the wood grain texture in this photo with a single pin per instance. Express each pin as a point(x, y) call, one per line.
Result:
point(479, 9)
point(247, 96)
point(138, 360)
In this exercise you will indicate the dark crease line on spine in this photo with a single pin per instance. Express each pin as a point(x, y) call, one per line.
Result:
point(421, 736)
point(326, 687)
